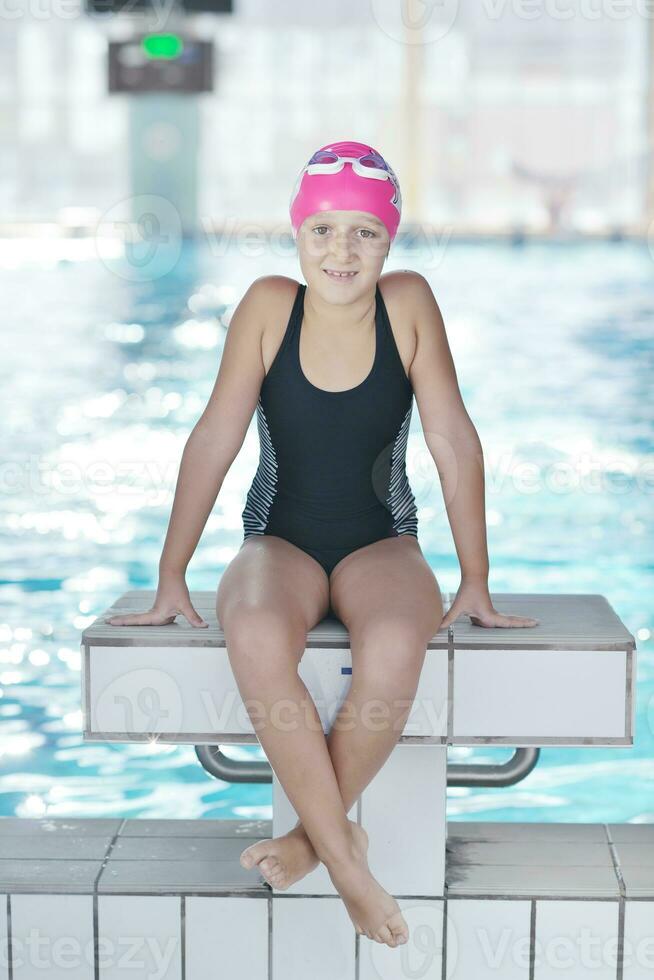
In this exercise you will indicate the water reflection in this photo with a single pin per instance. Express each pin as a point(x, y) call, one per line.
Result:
point(105, 379)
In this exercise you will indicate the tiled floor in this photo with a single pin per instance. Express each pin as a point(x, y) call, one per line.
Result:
point(179, 884)
point(128, 856)
point(550, 860)
point(202, 857)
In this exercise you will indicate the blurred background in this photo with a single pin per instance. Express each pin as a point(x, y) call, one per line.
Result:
point(148, 153)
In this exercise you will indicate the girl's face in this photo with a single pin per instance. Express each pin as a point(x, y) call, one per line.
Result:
point(342, 241)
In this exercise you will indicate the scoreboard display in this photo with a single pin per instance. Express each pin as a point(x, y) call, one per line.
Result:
point(190, 6)
point(161, 63)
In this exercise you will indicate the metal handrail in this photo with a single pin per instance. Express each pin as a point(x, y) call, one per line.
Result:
point(503, 774)
point(233, 770)
point(459, 774)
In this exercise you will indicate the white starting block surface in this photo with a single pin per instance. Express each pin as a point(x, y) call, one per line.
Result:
point(568, 681)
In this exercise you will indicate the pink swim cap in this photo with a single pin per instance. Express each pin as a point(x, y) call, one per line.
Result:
point(346, 189)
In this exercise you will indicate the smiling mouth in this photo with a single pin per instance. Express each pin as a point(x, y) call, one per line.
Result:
point(334, 274)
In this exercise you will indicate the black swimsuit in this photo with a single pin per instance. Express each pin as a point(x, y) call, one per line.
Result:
point(331, 475)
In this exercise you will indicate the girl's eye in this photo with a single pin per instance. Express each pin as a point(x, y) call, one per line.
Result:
point(368, 233)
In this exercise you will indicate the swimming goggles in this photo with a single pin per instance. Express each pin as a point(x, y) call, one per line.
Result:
point(370, 164)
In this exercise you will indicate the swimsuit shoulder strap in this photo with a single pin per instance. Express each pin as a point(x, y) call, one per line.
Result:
point(290, 334)
point(390, 344)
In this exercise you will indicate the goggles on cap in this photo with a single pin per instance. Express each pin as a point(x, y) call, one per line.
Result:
point(346, 193)
point(370, 164)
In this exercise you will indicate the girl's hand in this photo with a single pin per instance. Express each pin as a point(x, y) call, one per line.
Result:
point(172, 599)
point(473, 598)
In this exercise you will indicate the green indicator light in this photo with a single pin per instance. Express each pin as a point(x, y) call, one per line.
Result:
point(162, 45)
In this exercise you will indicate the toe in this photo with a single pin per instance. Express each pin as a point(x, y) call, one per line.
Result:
point(384, 935)
point(253, 854)
point(247, 858)
point(398, 928)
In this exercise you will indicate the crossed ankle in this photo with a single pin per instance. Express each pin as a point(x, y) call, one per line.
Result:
point(299, 829)
point(340, 859)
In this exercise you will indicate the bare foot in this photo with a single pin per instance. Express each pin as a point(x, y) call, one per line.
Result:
point(373, 911)
point(284, 860)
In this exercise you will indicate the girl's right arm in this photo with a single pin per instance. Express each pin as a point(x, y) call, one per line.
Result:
point(209, 452)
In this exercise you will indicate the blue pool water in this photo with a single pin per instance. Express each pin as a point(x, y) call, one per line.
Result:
point(106, 369)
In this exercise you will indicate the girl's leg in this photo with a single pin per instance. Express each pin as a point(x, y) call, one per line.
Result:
point(389, 599)
point(268, 598)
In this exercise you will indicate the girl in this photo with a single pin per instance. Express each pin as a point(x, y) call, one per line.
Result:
point(330, 522)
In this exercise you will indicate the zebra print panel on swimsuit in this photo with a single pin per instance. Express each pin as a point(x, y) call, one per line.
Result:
point(264, 485)
point(400, 496)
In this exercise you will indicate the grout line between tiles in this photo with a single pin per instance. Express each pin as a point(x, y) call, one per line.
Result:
point(620, 947)
point(532, 939)
point(616, 861)
point(110, 848)
point(10, 957)
point(615, 857)
point(96, 940)
point(182, 932)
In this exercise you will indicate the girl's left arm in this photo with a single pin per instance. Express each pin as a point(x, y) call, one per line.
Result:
point(456, 450)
